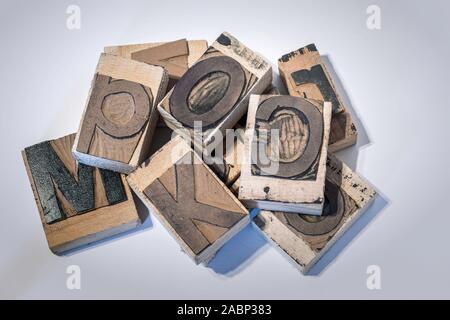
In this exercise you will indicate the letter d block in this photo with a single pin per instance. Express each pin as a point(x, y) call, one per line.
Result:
point(285, 150)
point(213, 94)
point(189, 200)
point(120, 116)
point(78, 204)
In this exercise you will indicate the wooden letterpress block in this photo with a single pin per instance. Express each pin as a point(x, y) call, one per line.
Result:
point(78, 204)
point(189, 199)
point(305, 239)
point(306, 76)
point(213, 94)
point(227, 164)
point(120, 116)
point(285, 151)
point(175, 56)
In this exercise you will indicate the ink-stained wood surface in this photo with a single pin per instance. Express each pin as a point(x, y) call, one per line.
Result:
point(189, 199)
point(271, 89)
point(285, 148)
point(175, 56)
point(227, 158)
point(120, 116)
point(214, 92)
point(305, 239)
point(306, 76)
point(78, 204)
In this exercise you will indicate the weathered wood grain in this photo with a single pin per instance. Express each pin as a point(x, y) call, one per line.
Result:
point(170, 55)
point(195, 50)
point(306, 76)
point(120, 116)
point(286, 142)
point(214, 92)
point(305, 239)
point(78, 204)
point(189, 199)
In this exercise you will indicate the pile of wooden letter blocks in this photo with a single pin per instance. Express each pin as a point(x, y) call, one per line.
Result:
point(200, 135)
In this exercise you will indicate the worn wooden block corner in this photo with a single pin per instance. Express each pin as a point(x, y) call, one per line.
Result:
point(305, 75)
point(189, 200)
point(175, 56)
point(120, 116)
point(305, 239)
point(78, 204)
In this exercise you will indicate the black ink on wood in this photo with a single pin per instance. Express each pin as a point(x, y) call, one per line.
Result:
point(207, 92)
point(296, 127)
point(318, 77)
point(333, 212)
point(48, 172)
point(105, 88)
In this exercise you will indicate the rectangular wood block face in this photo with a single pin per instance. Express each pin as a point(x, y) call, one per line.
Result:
point(189, 199)
point(78, 204)
point(306, 76)
point(175, 56)
point(213, 94)
point(120, 116)
point(305, 239)
point(285, 149)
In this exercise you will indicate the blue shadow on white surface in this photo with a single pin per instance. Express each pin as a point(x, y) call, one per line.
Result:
point(379, 204)
point(349, 155)
point(144, 215)
point(242, 249)
point(239, 252)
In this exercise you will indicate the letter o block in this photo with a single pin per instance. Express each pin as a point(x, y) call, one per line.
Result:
point(213, 94)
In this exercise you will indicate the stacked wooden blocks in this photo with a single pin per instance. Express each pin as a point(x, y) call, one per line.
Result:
point(194, 174)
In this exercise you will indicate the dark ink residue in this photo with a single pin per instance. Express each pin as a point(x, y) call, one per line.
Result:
point(224, 40)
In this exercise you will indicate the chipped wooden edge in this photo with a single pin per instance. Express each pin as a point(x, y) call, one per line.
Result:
point(247, 62)
point(293, 246)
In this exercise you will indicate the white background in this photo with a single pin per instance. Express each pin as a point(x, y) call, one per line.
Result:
point(395, 81)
